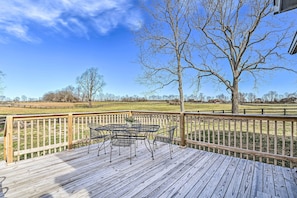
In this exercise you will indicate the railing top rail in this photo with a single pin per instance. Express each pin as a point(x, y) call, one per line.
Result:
point(30, 116)
point(100, 113)
point(156, 112)
point(37, 116)
point(215, 115)
point(246, 116)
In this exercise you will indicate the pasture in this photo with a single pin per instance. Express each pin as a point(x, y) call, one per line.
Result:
point(64, 107)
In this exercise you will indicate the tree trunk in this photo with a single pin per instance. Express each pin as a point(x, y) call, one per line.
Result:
point(235, 97)
point(180, 85)
point(90, 103)
point(181, 99)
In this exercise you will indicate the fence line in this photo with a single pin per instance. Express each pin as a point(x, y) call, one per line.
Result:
point(262, 111)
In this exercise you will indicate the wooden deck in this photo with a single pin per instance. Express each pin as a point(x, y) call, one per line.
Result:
point(191, 173)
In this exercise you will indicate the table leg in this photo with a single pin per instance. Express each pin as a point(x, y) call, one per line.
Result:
point(149, 147)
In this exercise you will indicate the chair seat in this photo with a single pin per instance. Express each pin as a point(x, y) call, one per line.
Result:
point(123, 142)
point(166, 135)
point(161, 138)
point(99, 134)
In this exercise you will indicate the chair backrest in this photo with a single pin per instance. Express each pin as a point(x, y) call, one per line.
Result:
point(93, 125)
point(170, 130)
point(94, 134)
point(148, 127)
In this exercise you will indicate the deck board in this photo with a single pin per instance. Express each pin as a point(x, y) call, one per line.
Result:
point(226, 179)
point(234, 186)
point(191, 173)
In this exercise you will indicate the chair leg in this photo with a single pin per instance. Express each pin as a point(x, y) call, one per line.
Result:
point(99, 148)
point(130, 154)
point(110, 153)
point(89, 145)
point(135, 148)
point(155, 145)
point(104, 146)
point(170, 150)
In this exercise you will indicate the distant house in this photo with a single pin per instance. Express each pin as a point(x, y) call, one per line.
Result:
point(283, 6)
point(214, 101)
point(293, 46)
point(258, 100)
point(289, 100)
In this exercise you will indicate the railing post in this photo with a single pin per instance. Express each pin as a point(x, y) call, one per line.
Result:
point(8, 140)
point(70, 130)
point(182, 129)
point(130, 114)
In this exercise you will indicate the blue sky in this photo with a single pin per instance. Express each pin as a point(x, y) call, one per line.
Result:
point(45, 45)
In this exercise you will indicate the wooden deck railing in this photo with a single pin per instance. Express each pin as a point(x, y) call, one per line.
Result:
point(270, 139)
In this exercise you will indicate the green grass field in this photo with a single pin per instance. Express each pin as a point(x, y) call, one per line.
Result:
point(53, 107)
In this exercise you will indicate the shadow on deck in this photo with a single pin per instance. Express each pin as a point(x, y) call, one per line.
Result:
point(191, 173)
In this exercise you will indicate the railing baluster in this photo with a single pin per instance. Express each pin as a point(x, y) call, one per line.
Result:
point(217, 132)
point(284, 142)
point(44, 136)
point(38, 136)
point(55, 133)
point(19, 139)
point(267, 139)
point(254, 138)
point(229, 135)
point(49, 135)
point(292, 143)
point(235, 136)
point(247, 136)
point(60, 133)
point(224, 138)
point(25, 137)
point(208, 134)
point(65, 132)
point(275, 141)
point(240, 136)
point(199, 130)
point(31, 136)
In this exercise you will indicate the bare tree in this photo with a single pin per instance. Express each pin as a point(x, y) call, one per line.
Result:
point(24, 98)
point(90, 82)
point(251, 97)
point(65, 95)
point(242, 97)
point(163, 41)
point(222, 98)
point(17, 99)
point(201, 97)
point(239, 39)
point(271, 96)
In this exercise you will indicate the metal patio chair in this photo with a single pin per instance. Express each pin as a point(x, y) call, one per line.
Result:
point(99, 134)
point(122, 139)
point(166, 135)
